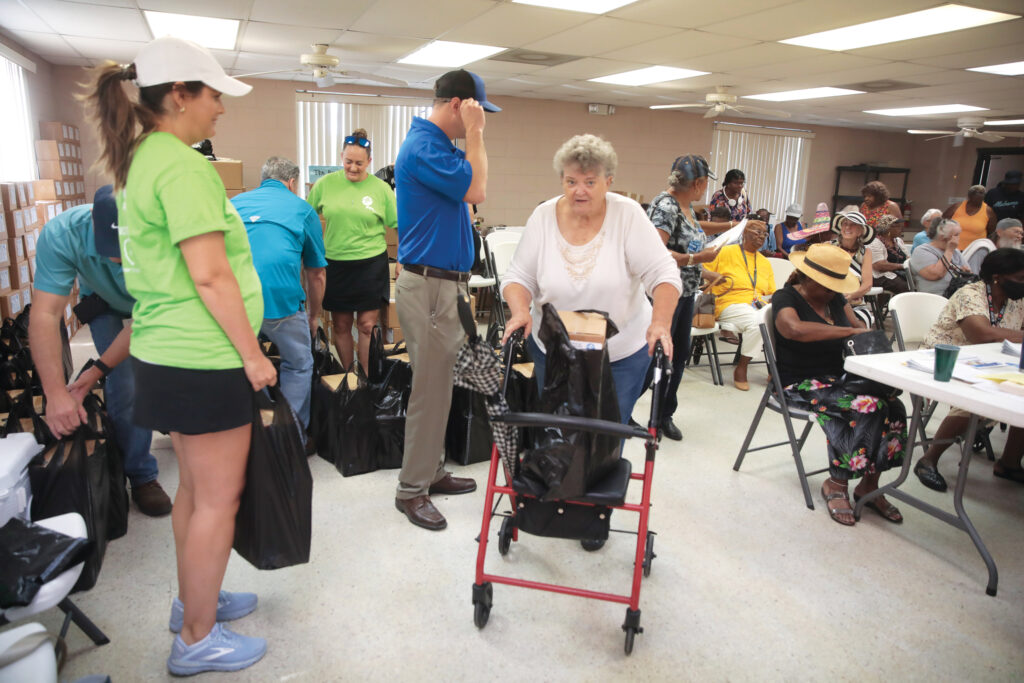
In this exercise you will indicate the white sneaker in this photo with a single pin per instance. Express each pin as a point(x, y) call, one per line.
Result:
point(220, 650)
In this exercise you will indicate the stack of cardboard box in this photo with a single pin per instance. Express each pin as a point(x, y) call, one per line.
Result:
point(59, 155)
point(230, 172)
point(19, 228)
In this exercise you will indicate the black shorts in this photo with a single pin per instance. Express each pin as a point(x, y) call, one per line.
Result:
point(191, 401)
point(361, 285)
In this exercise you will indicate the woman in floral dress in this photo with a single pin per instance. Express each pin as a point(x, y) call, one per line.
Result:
point(866, 434)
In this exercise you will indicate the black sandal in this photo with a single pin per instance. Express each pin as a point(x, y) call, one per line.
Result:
point(835, 512)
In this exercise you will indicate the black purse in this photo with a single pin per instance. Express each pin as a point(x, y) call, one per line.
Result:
point(865, 344)
point(959, 278)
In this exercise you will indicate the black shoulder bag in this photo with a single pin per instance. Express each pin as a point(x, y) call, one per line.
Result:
point(864, 344)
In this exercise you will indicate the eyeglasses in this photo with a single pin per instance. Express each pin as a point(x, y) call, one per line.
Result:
point(353, 140)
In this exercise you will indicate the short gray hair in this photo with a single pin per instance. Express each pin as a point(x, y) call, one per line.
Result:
point(1008, 223)
point(279, 168)
point(940, 229)
point(928, 218)
point(678, 181)
point(977, 188)
point(589, 152)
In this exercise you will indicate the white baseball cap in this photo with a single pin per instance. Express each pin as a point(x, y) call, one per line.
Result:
point(170, 59)
point(794, 210)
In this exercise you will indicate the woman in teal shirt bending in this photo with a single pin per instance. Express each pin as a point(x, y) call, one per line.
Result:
point(198, 304)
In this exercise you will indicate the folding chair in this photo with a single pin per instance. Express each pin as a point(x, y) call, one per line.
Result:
point(704, 337)
point(782, 268)
point(500, 246)
point(774, 399)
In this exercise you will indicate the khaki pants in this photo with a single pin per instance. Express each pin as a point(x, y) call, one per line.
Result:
point(743, 318)
point(428, 315)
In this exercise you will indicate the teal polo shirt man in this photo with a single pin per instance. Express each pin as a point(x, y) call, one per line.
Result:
point(82, 243)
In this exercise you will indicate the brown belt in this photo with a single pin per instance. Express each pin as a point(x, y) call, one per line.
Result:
point(428, 271)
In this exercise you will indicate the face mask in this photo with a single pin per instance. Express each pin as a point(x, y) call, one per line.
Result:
point(1014, 290)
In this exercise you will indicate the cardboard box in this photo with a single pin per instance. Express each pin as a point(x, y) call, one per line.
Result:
point(234, 193)
point(48, 150)
point(393, 251)
point(5, 280)
point(31, 266)
point(3, 225)
point(230, 172)
point(586, 330)
point(26, 295)
point(20, 275)
point(55, 130)
point(5, 256)
point(48, 210)
point(391, 268)
point(48, 190)
point(16, 249)
point(393, 335)
point(59, 170)
point(30, 243)
point(9, 196)
point(15, 222)
point(391, 236)
point(332, 382)
point(22, 195)
point(31, 218)
point(10, 304)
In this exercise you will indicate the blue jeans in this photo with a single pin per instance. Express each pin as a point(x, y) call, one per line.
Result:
point(291, 335)
point(119, 393)
point(628, 373)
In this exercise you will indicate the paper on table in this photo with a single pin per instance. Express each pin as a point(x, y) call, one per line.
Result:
point(1013, 376)
point(1011, 349)
point(731, 236)
point(924, 360)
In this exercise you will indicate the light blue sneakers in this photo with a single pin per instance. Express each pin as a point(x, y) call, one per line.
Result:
point(220, 650)
point(230, 606)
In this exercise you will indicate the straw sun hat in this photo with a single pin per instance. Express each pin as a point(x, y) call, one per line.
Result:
point(828, 265)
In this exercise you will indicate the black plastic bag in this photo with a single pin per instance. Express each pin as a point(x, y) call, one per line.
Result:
point(31, 555)
point(274, 524)
point(376, 358)
point(73, 475)
point(576, 382)
point(324, 363)
point(391, 401)
point(101, 425)
point(352, 427)
point(23, 417)
point(468, 437)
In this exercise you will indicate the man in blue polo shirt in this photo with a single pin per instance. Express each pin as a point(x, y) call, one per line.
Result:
point(82, 243)
point(434, 182)
point(285, 235)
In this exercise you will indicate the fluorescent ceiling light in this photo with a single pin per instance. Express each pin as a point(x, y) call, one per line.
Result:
point(651, 74)
point(918, 131)
point(927, 22)
point(219, 34)
point(806, 94)
point(1006, 122)
point(588, 6)
point(924, 111)
point(1008, 69)
point(668, 106)
point(447, 53)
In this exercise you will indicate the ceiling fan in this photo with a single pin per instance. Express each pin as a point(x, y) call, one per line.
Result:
point(324, 69)
point(969, 128)
point(719, 102)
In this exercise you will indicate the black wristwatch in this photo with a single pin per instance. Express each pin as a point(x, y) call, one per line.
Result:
point(103, 367)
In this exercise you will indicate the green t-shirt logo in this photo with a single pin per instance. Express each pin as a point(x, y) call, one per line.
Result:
point(368, 202)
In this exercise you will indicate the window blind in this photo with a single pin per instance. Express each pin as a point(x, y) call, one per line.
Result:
point(17, 154)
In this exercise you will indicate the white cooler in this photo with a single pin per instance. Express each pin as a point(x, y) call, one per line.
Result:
point(16, 451)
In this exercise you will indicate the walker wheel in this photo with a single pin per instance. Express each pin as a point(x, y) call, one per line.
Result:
point(630, 634)
point(505, 535)
point(649, 554)
point(481, 613)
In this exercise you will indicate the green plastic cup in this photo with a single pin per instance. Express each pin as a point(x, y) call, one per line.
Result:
point(945, 359)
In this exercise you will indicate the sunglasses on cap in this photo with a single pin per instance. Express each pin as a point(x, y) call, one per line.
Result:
point(353, 140)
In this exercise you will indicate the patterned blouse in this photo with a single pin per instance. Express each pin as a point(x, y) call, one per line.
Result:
point(685, 235)
point(738, 212)
point(970, 299)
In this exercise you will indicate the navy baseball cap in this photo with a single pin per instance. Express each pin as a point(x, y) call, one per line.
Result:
point(464, 85)
point(104, 223)
point(693, 166)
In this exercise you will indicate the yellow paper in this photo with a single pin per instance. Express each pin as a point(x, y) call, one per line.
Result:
point(1008, 376)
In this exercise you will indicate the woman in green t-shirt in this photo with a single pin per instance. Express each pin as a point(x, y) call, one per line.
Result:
point(198, 303)
point(357, 208)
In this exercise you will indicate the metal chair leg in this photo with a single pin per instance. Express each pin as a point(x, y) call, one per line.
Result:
point(73, 614)
point(750, 432)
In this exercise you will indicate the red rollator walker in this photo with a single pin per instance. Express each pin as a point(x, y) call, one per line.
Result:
point(584, 518)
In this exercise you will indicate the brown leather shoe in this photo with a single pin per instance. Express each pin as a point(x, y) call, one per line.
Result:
point(453, 486)
point(421, 512)
point(151, 499)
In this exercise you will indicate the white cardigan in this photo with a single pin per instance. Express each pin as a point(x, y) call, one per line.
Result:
point(631, 259)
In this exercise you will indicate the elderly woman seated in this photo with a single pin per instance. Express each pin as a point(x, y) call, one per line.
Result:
point(589, 248)
point(866, 434)
point(935, 263)
point(990, 310)
point(742, 282)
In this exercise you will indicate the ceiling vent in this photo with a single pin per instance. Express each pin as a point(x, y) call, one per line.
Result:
point(883, 85)
point(521, 56)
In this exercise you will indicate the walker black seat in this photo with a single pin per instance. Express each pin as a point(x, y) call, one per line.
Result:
point(609, 491)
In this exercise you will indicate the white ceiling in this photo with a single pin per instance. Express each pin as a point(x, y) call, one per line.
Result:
point(734, 40)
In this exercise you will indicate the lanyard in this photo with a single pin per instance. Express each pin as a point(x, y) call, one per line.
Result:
point(992, 317)
point(746, 266)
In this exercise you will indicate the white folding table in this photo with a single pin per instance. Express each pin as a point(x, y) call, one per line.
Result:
point(891, 369)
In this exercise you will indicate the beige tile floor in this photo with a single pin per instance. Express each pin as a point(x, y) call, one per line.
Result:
point(748, 584)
